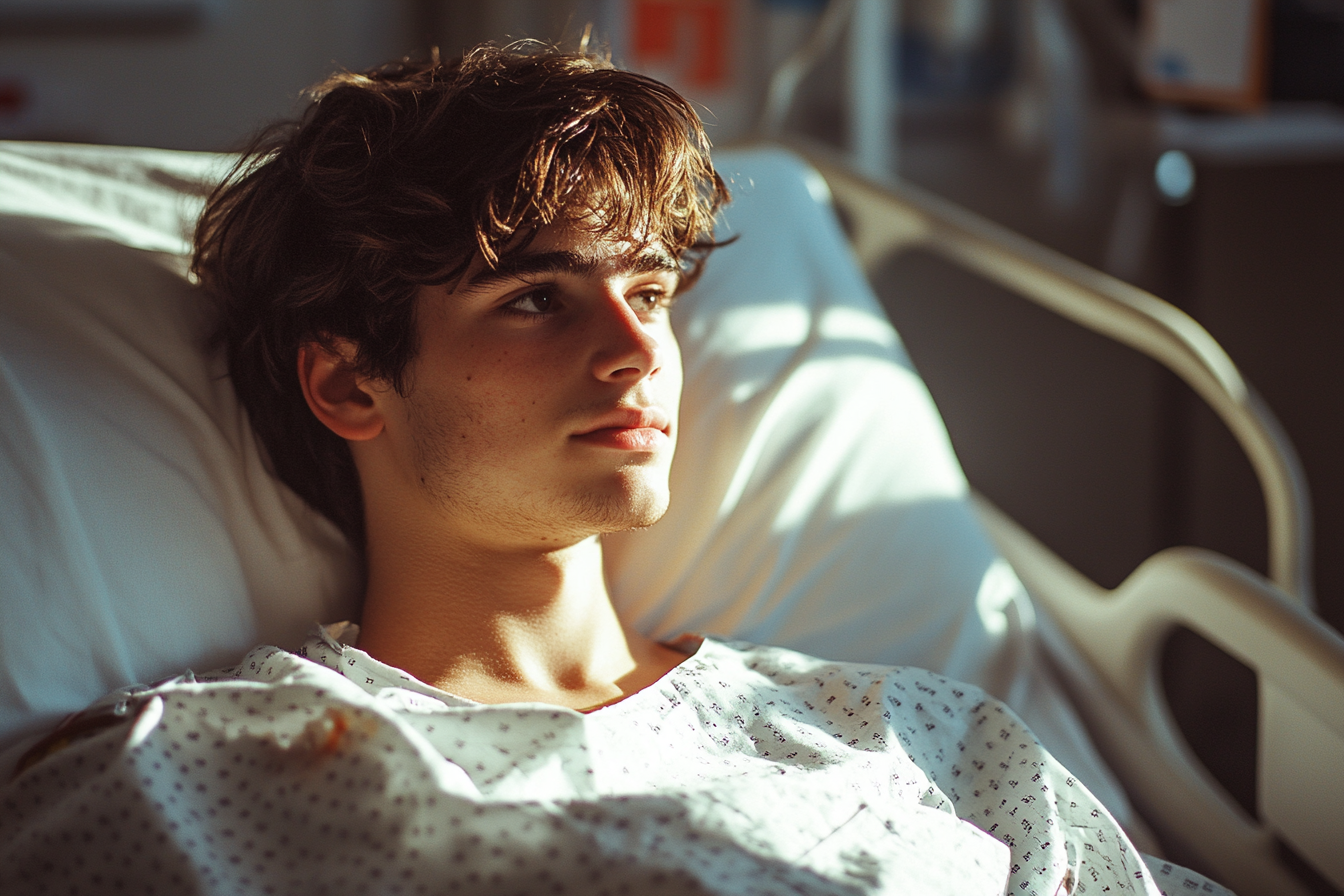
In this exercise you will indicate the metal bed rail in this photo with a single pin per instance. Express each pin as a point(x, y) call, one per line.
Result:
point(889, 217)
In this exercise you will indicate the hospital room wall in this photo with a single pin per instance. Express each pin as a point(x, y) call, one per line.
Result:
point(181, 74)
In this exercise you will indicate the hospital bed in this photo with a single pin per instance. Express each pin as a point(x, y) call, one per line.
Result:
point(817, 501)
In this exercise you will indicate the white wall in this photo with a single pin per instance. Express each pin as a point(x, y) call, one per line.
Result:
point(208, 85)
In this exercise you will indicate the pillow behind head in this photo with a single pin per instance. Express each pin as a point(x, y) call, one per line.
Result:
point(140, 534)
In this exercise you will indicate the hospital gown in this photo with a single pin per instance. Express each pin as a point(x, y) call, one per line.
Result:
point(745, 770)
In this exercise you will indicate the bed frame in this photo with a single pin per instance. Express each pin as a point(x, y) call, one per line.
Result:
point(1107, 644)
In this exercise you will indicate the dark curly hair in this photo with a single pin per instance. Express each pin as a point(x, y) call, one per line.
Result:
point(400, 177)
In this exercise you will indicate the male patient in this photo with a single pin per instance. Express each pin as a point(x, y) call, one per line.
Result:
point(471, 270)
point(444, 297)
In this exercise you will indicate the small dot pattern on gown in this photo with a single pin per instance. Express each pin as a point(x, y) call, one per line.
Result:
point(746, 770)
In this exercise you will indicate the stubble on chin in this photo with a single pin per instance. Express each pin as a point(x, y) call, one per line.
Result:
point(636, 507)
point(466, 482)
point(549, 515)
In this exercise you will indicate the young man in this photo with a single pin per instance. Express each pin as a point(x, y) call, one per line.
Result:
point(444, 296)
point(471, 268)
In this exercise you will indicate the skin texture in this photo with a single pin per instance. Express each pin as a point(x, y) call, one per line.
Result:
point(540, 413)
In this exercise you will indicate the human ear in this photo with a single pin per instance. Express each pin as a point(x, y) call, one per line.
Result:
point(336, 392)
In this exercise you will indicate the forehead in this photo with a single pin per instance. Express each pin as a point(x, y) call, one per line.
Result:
point(587, 237)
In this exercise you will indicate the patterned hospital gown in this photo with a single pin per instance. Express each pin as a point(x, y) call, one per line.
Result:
point(746, 770)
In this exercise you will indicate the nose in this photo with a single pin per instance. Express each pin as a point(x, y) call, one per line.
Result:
point(628, 348)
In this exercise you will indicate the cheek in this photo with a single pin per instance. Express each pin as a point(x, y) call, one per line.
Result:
point(505, 392)
point(516, 380)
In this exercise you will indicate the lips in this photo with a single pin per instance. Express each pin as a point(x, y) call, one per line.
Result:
point(629, 429)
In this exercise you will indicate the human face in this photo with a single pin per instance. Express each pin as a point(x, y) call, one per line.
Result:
point(542, 404)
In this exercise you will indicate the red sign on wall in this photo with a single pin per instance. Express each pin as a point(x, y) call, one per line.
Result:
point(690, 36)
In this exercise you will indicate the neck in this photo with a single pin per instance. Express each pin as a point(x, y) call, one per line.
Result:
point(518, 624)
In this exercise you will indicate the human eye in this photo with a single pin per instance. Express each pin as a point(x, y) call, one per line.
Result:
point(652, 298)
point(534, 303)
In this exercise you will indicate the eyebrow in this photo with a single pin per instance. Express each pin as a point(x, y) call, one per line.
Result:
point(564, 261)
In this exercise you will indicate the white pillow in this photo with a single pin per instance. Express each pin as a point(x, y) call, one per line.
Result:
point(816, 501)
point(139, 532)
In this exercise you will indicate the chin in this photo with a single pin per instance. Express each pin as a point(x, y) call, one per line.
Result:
point(648, 516)
point(637, 505)
point(639, 515)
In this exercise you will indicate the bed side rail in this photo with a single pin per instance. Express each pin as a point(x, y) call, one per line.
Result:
point(1299, 666)
point(890, 217)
